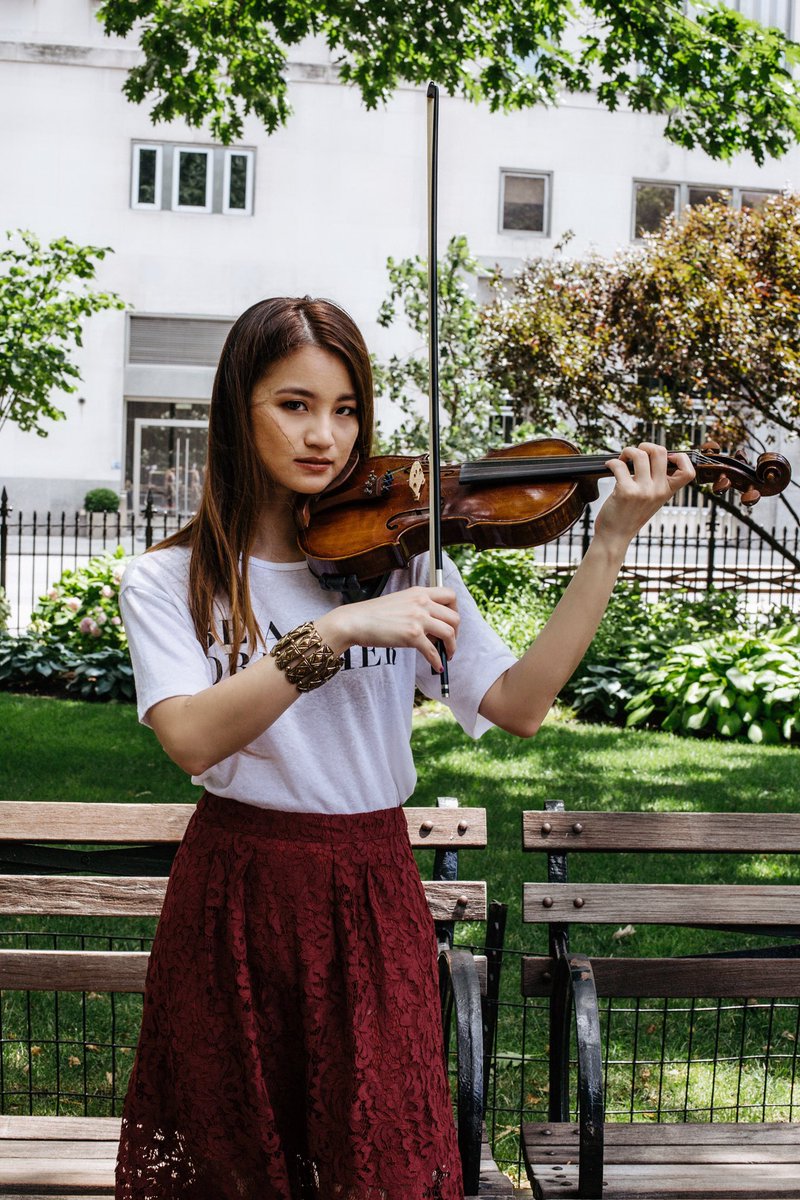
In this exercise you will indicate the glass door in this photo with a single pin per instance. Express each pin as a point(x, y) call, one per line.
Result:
point(168, 463)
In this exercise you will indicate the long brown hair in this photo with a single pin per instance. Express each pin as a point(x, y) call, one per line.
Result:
point(237, 484)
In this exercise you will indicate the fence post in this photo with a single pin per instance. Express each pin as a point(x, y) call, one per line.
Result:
point(587, 523)
point(4, 511)
point(148, 520)
point(712, 543)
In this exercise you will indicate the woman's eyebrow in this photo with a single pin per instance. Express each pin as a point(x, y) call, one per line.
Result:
point(290, 389)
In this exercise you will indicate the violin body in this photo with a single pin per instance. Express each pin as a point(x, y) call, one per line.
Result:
point(368, 526)
point(375, 517)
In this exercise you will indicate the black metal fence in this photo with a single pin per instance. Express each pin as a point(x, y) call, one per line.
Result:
point(688, 549)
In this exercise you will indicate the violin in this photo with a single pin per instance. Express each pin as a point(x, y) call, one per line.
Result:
point(375, 517)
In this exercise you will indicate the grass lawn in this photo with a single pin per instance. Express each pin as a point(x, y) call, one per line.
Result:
point(72, 750)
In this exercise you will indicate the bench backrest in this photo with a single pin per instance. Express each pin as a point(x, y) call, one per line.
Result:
point(130, 880)
point(772, 909)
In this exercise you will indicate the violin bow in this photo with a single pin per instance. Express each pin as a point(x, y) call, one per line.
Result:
point(436, 573)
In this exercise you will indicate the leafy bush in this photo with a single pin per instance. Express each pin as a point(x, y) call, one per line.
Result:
point(28, 664)
point(735, 684)
point(81, 610)
point(101, 500)
point(5, 610)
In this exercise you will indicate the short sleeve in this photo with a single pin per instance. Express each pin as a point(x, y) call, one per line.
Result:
point(167, 658)
point(481, 657)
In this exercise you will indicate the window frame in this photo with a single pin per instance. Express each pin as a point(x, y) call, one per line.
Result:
point(157, 205)
point(547, 176)
point(177, 150)
point(247, 211)
point(682, 188)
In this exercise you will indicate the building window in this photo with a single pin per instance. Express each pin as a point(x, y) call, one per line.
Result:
point(654, 201)
point(524, 202)
point(146, 176)
point(754, 198)
point(196, 179)
point(774, 13)
point(702, 195)
point(192, 179)
point(777, 13)
point(237, 184)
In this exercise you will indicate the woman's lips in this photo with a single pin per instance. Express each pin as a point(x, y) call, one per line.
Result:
point(316, 465)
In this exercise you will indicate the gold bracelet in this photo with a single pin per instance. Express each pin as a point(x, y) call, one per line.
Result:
point(305, 659)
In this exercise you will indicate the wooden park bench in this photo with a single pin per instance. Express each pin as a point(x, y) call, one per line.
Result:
point(649, 1160)
point(123, 874)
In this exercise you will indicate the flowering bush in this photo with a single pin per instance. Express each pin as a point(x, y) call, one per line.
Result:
point(5, 610)
point(81, 610)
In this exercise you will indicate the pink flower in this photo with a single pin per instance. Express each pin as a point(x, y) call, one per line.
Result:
point(100, 617)
point(72, 603)
point(87, 625)
point(95, 632)
point(116, 621)
point(106, 591)
point(52, 594)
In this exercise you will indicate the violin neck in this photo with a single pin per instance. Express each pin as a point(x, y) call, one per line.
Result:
point(548, 468)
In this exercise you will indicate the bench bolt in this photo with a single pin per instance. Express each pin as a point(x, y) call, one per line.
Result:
point(547, 902)
point(462, 901)
point(427, 826)
point(547, 827)
point(579, 902)
point(577, 827)
point(462, 826)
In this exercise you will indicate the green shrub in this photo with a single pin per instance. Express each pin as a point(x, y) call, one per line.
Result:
point(81, 610)
point(5, 611)
point(735, 684)
point(101, 500)
point(30, 665)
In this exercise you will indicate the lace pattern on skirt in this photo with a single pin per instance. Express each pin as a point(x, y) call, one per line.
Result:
point(291, 1046)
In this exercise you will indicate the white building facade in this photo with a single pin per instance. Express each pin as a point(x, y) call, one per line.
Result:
point(200, 231)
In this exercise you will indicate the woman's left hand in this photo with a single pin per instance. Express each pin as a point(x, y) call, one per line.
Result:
point(637, 497)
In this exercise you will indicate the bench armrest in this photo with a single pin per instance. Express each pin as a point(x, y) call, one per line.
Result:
point(574, 991)
point(460, 993)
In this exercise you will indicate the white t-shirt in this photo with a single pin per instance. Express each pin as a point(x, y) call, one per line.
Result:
point(342, 748)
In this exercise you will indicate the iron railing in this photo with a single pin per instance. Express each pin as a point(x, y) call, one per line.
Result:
point(688, 549)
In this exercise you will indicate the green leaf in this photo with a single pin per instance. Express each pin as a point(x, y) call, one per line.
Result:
point(741, 681)
point(729, 724)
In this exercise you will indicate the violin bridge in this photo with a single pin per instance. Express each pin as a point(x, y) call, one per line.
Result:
point(416, 479)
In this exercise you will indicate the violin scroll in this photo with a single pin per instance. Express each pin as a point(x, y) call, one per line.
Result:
point(771, 474)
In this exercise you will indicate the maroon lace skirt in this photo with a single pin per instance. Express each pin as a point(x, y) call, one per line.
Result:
point(291, 1045)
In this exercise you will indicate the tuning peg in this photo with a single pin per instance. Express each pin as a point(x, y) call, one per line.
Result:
point(710, 448)
point(721, 484)
point(751, 496)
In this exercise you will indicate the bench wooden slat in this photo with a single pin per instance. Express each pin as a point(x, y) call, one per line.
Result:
point(56, 1172)
point(101, 1129)
point(667, 1182)
point(702, 1143)
point(748, 833)
point(73, 970)
point(673, 978)
point(91, 823)
point(134, 896)
point(97, 970)
point(43, 1149)
point(663, 903)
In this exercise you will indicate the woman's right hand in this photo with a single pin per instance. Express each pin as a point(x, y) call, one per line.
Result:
point(414, 617)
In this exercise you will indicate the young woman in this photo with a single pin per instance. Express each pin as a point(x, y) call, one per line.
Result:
point(290, 1044)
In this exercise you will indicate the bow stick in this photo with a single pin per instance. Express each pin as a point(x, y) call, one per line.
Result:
point(436, 573)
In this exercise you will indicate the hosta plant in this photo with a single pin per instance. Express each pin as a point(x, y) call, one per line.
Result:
point(737, 684)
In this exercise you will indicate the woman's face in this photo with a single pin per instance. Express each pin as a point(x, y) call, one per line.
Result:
point(304, 416)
